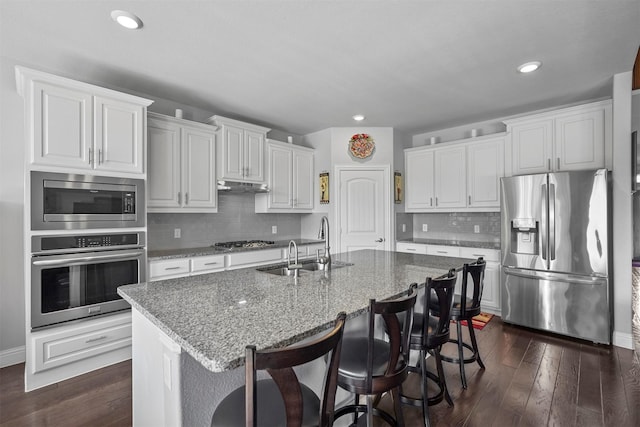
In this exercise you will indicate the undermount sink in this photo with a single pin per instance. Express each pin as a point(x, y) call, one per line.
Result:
point(311, 265)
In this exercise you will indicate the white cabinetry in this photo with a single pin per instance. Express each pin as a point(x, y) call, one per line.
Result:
point(290, 179)
point(162, 269)
point(182, 164)
point(574, 138)
point(74, 125)
point(455, 176)
point(491, 291)
point(241, 150)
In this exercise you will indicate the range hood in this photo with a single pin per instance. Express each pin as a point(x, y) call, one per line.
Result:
point(242, 187)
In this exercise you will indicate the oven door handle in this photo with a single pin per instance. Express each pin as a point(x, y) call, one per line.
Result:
point(85, 259)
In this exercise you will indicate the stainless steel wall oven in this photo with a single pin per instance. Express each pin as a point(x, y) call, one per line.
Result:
point(77, 276)
point(72, 201)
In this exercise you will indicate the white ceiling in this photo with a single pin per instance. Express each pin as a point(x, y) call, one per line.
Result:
point(302, 66)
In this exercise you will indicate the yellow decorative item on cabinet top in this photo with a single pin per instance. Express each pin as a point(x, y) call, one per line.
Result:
point(361, 145)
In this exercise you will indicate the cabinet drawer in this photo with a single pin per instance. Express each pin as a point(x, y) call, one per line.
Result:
point(168, 268)
point(411, 248)
point(206, 264)
point(443, 250)
point(487, 254)
point(247, 259)
point(72, 344)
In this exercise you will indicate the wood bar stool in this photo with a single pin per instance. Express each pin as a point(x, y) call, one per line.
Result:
point(465, 308)
point(371, 366)
point(282, 400)
point(429, 333)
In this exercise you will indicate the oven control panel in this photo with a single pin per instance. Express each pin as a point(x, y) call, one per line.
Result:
point(59, 243)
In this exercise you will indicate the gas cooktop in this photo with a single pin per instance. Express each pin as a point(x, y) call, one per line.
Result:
point(245, 244)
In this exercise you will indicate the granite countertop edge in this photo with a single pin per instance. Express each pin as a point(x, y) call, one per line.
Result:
point(459, 243)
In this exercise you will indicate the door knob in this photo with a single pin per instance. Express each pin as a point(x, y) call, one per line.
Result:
point(380, 240)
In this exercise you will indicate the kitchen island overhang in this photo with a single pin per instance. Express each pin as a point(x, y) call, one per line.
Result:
point(214, 317)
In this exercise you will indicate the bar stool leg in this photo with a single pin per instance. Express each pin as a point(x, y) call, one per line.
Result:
point(474, 344)
point(397, 407)
point(443, 381)
point(463, 377)
point(425, 401)
point(369, 410)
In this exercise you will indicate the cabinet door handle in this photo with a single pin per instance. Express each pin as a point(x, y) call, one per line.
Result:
point(430, 201)
point(379, 240)
point(549, 164)
point(179, 198)
point(211, 263)
point(90, 154)
point(100, 338)
point(186, 198)
point(171, 268)
point(436, 201)
point(558, 163)
point(469, 199)
point(100, 156)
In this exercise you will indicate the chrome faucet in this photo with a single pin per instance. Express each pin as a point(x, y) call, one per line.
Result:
point(295, 265)
point(324, 235)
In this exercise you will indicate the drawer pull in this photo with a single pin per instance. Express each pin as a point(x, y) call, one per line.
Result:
point(482, 255)
point(211, 263)
point(172, 268)
point(100, 338)
point(411, 249)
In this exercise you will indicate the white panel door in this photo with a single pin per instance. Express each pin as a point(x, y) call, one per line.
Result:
point(579, 141)
point(419, 188)
point(450, 178)
point(63, 130)
point(281, 177)
point(303, 179)
point(532, 146)
point(362, 210)
point(163, 178)
point(198, 169)
point(485, 168)
point(119, 135)
point(253, 156)
point(232, 153)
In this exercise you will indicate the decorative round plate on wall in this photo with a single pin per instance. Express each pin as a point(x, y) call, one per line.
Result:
point(361, 145)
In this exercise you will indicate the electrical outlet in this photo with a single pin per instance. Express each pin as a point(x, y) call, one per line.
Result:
point(476, 228)
point(404, 228)
point(176, 233)
point(425, 227)
point(274, 229)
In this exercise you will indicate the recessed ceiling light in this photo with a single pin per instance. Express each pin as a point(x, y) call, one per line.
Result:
point(358, 117)
point(126, 19)
point(529, 67)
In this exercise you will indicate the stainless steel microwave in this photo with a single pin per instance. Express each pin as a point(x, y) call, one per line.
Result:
point(72, 202)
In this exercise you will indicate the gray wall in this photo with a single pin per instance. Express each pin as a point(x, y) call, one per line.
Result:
point(235, 220)
point(458, 226)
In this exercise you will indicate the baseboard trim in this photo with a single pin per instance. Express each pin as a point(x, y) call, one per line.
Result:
point(623, 340)
point(12, 356)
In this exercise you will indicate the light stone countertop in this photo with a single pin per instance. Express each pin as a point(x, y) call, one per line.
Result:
point(213, 317)
point(459, 243)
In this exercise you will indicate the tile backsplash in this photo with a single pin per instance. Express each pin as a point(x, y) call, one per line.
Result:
point(236, 220)
point(458, 226)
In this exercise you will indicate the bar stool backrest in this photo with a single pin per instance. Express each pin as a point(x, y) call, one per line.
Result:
point(441, 292)
point(279, 364)
point(476, 271)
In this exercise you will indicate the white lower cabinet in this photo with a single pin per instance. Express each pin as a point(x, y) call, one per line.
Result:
point(168, 269)
point(62, 352)
point(207, 264)
point(253, 258)
point(491, 291)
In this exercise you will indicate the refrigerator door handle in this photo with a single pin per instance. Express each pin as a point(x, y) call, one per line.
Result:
point(555, 277)
point(543, 225)
point(552, 222)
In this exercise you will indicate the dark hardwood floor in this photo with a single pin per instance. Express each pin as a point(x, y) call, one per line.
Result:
point(531, 379)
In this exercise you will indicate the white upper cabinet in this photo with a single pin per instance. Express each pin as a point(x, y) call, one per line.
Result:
point(457, 176)
point(419, 184)
point(572, 138)
point(450, 178)
point(241, 150)
point(290, 179)
point(485, 167)
point(74, 125)
point(182, 165)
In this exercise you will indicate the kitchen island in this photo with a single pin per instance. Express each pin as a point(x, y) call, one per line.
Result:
point(189, 334)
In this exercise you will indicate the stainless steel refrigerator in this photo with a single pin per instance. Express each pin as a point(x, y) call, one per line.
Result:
point(555, 253)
